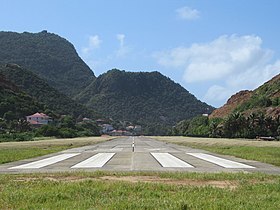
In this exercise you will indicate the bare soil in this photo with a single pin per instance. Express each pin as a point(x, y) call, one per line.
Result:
point(139, 179)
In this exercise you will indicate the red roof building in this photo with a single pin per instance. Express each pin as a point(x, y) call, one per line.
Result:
point(38, 119)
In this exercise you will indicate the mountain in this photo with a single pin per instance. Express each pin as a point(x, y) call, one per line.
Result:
point(265, 99)
point(39, 89)
point(51, 57)
point(14, 103)
point(149, 99)
point(48, 69)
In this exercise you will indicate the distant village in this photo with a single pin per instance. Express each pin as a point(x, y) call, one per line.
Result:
point(37, 120)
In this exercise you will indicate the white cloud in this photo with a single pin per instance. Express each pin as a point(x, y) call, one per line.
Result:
point(93, 43)
point(227, 64)
point(123, 49)
point(187, 13)
point(217, 92)
point(121, 38)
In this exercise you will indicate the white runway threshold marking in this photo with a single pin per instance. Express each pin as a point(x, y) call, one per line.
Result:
point(220, 161)
point(167, 160)
point(45, 162)
point(96, 161)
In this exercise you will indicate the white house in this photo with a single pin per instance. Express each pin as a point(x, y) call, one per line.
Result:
point(38, 119)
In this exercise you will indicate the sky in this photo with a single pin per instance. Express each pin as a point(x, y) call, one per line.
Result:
point(212, 48)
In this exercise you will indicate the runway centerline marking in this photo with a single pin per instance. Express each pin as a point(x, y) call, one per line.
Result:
point(45, 162)
point(96, 161)
point(220, 161)
point(168, 160)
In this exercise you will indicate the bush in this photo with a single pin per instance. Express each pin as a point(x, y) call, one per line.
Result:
point(26, 136)
point(47, 130)
point(67, 133)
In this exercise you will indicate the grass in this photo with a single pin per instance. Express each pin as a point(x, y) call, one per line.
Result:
point(267, 152)
point(13, 151)
point(10, 155)
point(82, 190)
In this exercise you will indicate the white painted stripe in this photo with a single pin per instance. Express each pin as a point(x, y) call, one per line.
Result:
point(96, 161)
point(46, 161)
point(220, 161)
point(167, 160)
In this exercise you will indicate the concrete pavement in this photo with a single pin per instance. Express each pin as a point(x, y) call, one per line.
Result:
point(148, 155)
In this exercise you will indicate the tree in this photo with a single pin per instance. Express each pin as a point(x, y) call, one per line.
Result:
point(47, 130)
point(67, 121)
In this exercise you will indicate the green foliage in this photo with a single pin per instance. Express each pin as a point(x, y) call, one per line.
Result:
point(89, 128)
point(24, 136)
point(199, 126)
point(67, 133)
point(42, 92)
point(148, 99)
point(15, 104)
point(266, 95)
point(47, 130)
point(49, 56)
point(235, 125)
point(67, 122)
point(68, 128)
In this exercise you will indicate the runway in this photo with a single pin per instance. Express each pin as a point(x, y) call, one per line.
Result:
point(136, 154)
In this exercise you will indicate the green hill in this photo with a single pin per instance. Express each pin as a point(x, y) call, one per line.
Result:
point(149, 99)
point(49, 56)
point(42, 92)
point(265, 99)
point(14, 103)
point(247, 114)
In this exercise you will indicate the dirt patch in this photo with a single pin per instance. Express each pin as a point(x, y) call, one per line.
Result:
point(139, 179)
point(190, 182)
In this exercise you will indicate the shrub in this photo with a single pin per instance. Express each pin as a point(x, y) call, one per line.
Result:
point(67, 133)
point(26, 136)
point(47, 130)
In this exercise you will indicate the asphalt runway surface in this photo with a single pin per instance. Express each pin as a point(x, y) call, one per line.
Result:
point(136, 154)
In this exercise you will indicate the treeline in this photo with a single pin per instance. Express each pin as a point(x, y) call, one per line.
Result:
point(65, 127)
point(236, 125)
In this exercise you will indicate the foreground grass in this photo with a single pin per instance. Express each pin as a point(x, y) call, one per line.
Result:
point(13, 151)
point(267, 152)
point(91, 191)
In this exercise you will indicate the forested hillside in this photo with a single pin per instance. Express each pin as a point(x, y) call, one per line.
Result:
point(148, 99)
point(247, 114)
point(42, 92)
point(49, 56)
point(14, 103)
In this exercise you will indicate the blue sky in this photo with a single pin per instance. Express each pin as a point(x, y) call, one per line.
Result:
point(212, 48)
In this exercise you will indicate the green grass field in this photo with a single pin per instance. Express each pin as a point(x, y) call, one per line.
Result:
point(263, 151)
point(13, 151)
point(107, 190)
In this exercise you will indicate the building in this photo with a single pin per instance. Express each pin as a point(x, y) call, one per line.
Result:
point(107, 128)
point(38, 119)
